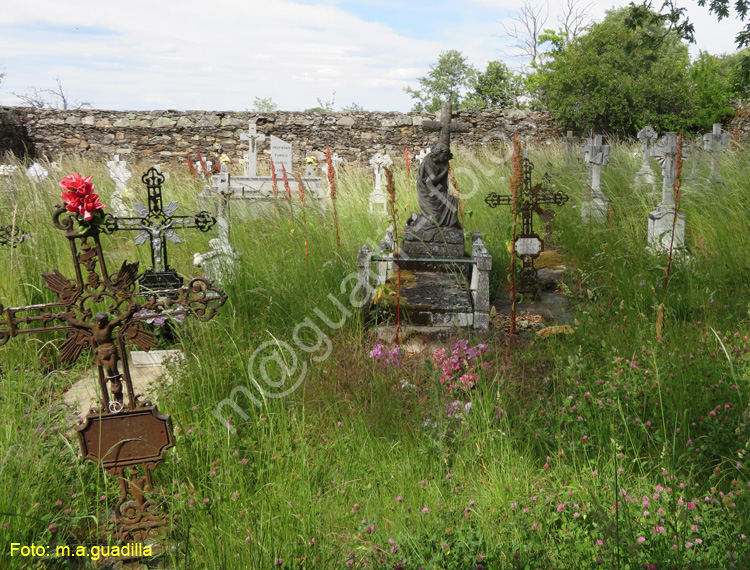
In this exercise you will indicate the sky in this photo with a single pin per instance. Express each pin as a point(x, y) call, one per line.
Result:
point(222, 54)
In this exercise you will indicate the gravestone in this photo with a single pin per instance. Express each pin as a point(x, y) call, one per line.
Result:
point(647, 135)
point(126, 433)
point(257, 192)
point(436, 231)
point(378, 198)
point(251, 158)
point(662, 220)
point(218, 263)
point(445, 288)
point(281, 154)
point(118, 171)
point(596, 154)
point(715, 143)
point(529, 245)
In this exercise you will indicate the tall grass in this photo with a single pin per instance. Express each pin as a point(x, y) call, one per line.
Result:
point(587, 451)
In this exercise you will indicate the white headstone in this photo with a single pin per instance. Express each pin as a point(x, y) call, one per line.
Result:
point(118, 171)
point(36, 172)
point(281, 154)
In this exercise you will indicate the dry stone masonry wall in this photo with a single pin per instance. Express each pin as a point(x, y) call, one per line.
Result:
point(173, 136)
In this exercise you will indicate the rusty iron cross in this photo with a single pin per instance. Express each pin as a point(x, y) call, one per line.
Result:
point(156, 224)
point(104, 313)
point(529, 244)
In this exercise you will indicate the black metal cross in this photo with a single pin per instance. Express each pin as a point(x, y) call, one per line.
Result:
point(11, 236)
point(157, 224)
point(528, 244)
point(104, 313)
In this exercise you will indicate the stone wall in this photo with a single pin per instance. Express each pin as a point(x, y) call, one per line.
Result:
point(172, 136)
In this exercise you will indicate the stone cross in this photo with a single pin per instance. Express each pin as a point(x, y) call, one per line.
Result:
point(122, 434)
point(528, 244)
point(253, 137)
point(445, 126)
point(596, 155)
point(218, 263)
point(156, 224)
point(662, 220)
point(378, 162)
point(714, 143)
point(647, 135)
point(336, 160)
point(665, 151)
point(118, 171)
point(423, 154)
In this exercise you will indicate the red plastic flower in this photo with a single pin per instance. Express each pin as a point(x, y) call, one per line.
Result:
point(79, 195)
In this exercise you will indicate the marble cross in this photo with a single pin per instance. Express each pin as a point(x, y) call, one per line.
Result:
point(253, 137)
point(378, 162)
point(665, 151)
point(596, 155)
point(647, 135)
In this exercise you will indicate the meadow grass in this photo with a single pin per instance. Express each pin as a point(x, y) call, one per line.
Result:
point(603, 449)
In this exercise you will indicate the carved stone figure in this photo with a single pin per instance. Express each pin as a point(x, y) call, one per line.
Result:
point(435, 202)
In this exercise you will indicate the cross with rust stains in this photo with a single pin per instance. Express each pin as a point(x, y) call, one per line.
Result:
point(528, 244)
point(104, 313)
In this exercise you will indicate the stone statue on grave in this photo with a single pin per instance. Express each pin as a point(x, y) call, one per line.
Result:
point(435, 202)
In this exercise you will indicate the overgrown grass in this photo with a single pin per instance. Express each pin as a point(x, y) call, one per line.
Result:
point(602, 449)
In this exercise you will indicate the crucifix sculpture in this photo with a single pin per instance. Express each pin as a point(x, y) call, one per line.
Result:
point(103, 312)
point(157, 224)
point(253, 137)
point(528, 244)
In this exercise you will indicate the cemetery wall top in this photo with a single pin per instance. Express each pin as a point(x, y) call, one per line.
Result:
point(171, 136)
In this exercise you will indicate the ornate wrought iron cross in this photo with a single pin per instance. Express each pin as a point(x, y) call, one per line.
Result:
point(157, 224)
point(528, 244)
point(11, 236)
point(103, 312)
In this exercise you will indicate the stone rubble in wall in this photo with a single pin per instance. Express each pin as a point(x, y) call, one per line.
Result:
point(171, 136)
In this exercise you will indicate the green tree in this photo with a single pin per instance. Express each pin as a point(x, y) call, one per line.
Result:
point(713, 89)
point(613, 79)
point(264, 105)
point(447, 80)
point(497, 86)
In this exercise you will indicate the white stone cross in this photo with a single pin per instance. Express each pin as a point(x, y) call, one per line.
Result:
point(253, 137)
point(647, 135)
point(596, 155)
point(118, 171)
point(665, 151)
point(378, 162)
point(422, 154)
point(715, 142)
